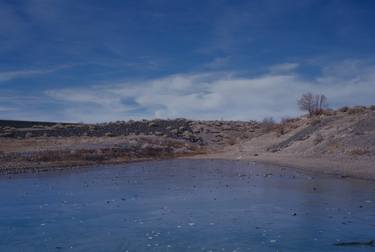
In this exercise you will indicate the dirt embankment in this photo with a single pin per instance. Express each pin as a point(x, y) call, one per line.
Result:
point(338, 142)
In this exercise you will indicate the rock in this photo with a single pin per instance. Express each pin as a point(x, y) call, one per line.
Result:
point(28, 135)
point(58, 126)
point(7, 135)
point(182, 129)
point(109, 134)
point(187, 134)
point(73, 152)
point(152, 124)
point(227, 127)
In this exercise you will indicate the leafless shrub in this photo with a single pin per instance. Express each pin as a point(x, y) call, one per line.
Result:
point(315, 121)
point(329, 112)
point(314, 104)
point(286, 120)
point(268, 124)
point(356, 110)
point(344, 109)
point(286, 124)
point(281, 128)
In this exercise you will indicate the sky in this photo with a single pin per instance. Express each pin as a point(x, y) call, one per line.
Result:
point(96, 61)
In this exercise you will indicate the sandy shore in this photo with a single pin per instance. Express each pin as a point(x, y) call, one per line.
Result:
point(360, 169)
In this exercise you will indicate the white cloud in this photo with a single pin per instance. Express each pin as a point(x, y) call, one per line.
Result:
point(216, 95)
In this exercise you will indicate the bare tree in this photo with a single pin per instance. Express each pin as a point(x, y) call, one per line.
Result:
point(306, 102)
point(314, 104)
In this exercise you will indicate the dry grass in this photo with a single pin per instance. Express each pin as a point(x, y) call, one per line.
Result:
point(45, 152)
point(318, 138)
point(356, 110)
point(359, 152)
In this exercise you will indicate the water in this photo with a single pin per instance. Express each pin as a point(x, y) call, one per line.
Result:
point(184, 205)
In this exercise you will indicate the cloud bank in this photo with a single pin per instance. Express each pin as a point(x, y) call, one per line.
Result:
point(218, 95)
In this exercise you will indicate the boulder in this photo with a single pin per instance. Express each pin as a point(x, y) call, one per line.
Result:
point(187, 134)
point(152, 124)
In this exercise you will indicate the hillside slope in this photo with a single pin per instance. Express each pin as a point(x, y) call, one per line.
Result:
point(338, 142)
point(341, 135)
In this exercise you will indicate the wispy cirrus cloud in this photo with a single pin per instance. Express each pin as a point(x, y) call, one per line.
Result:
point(26, 73)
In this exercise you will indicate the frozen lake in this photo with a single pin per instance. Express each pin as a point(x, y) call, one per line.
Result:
point(184, 205)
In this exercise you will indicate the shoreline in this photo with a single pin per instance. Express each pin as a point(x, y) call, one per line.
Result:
point(310, 165)
point(319, 166)
point(50, 167)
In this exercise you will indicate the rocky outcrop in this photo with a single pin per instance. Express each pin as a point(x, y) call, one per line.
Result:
point(178, 128)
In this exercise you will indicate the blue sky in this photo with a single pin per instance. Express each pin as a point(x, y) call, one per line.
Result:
point(93, 61)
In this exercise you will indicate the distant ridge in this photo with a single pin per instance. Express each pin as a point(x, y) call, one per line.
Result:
point(27, 124)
